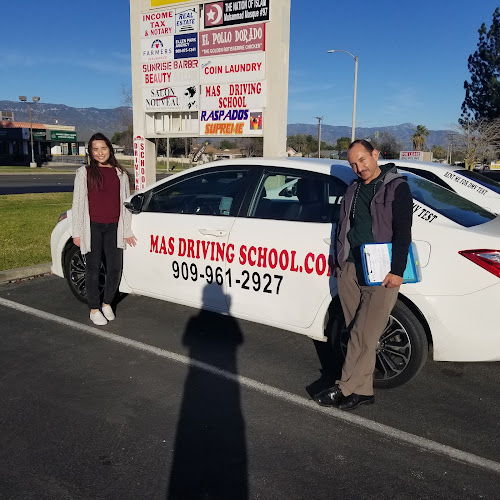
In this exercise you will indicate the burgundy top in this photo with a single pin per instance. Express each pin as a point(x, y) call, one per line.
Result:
point(104, 204)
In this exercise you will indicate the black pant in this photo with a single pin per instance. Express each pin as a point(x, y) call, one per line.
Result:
point(103, 243)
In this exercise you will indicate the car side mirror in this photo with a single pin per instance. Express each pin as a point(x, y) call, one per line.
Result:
point(135, 203)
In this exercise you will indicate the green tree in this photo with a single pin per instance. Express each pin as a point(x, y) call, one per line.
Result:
point(297, 142)
point(251, 146)
point(482, 93)
point(342, 143)
point(419, 136)
point(225, 144)
point(125, 139)
point(438, 152)
point(388, 145)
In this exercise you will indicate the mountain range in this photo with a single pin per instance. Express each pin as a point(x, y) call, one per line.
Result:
point(108, 121)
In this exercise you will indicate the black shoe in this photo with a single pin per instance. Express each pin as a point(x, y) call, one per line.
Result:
point(329, 397)
point(354, 400)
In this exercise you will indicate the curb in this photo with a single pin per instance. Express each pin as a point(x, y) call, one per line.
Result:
point(23, 273)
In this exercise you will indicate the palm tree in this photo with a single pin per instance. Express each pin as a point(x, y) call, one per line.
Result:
point(419, 136)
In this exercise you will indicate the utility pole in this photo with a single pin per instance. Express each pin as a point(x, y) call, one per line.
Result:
point(450, 147)
point(319, 118)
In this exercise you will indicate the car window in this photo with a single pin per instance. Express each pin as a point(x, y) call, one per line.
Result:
point(299, 196)
point(447, 203)
point(207, 193)
point(480, 179)
point(430, 176)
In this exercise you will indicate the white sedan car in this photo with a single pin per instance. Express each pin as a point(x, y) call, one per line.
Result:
point(252, 238)
point(467, 183)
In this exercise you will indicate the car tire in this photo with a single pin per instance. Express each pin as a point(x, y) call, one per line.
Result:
point(74, 270)
point(401, 352)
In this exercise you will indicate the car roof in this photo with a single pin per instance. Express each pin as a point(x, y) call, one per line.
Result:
point(423, 165)
point(338, 168)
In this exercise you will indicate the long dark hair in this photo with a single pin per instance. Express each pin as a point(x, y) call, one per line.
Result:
point(94, 176)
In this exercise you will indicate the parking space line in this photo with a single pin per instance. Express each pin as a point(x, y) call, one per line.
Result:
point(384, 430)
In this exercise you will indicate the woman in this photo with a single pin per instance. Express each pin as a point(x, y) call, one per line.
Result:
point(101, 223)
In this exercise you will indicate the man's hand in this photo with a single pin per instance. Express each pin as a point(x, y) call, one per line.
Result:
point(76, 241)
point(392, 281)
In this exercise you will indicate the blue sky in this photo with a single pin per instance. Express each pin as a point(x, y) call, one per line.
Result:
point(412, 57)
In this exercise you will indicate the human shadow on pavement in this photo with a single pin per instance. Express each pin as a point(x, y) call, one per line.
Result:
point(210, 455)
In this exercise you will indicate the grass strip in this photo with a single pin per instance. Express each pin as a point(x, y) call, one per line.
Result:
point(27, 221)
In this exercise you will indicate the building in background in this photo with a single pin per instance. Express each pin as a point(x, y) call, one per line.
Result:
point(51, 143)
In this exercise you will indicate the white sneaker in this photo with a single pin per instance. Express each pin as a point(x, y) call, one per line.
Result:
point(97, 318)
point(108, 312)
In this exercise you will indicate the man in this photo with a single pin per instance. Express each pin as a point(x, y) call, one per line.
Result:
point(376, 208)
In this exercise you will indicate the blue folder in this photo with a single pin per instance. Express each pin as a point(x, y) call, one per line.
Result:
point(412, 273)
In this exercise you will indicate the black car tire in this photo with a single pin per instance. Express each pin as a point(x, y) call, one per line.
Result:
point(402, 350)
point(74, 270)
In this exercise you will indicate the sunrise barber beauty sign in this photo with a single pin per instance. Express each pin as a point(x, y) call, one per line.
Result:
point(230, 12)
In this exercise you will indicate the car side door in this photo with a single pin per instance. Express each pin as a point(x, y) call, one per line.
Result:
point(281, 273)
point(182, 237)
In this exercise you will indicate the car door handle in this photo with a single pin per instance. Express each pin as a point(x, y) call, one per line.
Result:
point(328, 241)
point(213, 232)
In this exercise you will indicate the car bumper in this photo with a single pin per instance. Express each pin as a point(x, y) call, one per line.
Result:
point(58, 239)
point(463, 328)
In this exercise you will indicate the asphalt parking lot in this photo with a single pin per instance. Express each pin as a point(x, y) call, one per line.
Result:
point(170, 402)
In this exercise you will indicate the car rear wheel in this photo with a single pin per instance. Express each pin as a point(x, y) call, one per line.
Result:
point(401, 351)
point(74, 270)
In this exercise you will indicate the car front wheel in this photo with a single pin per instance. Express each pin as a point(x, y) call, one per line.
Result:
point(74, 270)
point(401, 351)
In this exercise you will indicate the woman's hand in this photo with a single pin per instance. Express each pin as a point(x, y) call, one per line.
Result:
point(76, 241)
point(132, 241)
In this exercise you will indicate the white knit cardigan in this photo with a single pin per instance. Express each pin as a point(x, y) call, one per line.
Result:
point(80, 211)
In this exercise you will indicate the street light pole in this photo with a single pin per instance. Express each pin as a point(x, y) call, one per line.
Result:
point(353, 129)
point(35, 99)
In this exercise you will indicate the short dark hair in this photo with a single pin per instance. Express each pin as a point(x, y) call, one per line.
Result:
point(367, 145)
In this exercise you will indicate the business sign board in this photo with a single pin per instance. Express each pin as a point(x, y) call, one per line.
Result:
point(170, 98)
point(159, 3)
point(232, 69)
point(411, 155)
point(61, 135)
point(139, 162)
point(157, 49)
point(157, 23)
point(186, 20)
point(186, 45)
point(231, 122)
point(177, 72)
point(232, 40)
point(229, 12)
point(40, 135)
point(233, 95)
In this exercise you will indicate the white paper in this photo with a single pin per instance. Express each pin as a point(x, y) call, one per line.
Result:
point(378, 262)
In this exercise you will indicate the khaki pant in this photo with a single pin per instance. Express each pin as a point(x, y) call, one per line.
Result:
point(366, 312)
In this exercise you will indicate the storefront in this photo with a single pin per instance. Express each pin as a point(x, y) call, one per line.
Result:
point(60, 145)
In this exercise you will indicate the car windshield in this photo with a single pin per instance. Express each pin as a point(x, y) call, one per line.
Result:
point(447, 203)
point(480, 179)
